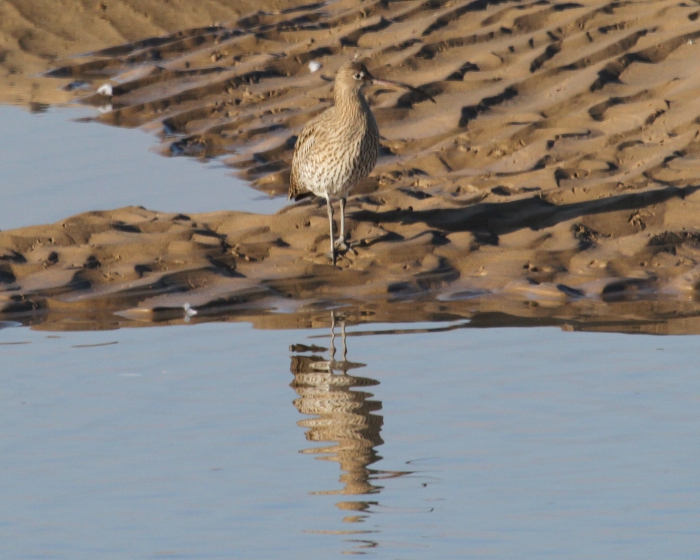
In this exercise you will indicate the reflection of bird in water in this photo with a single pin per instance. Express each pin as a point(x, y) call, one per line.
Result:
point(343, 416)
point(339, 148)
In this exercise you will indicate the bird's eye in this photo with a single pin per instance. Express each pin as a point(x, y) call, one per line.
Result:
point(358, 76)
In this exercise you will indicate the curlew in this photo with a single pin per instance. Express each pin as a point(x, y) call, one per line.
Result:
point(339, 148)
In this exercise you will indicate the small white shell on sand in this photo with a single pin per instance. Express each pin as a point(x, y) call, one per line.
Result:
point(105, 108)
point(188, 310)
point(314, 66)
point(105, 89)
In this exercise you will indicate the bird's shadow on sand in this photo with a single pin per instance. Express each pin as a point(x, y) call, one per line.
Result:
point(535, 213)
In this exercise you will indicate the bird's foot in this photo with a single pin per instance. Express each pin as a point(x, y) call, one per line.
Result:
point(340, 244)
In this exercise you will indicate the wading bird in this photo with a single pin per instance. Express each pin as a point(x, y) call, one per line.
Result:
point(339, 148)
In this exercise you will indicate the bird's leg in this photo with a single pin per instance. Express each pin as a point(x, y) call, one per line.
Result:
point(340, 243)
point(330, 219)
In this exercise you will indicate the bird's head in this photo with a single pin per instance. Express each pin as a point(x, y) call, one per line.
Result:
point(353, 75)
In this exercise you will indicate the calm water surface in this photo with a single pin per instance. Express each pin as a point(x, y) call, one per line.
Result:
point(53, 167)
point(197, 441)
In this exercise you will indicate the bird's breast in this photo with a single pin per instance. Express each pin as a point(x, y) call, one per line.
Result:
point(340, 158)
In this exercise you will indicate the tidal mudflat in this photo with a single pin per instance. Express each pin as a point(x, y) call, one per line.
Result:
point(169, 385)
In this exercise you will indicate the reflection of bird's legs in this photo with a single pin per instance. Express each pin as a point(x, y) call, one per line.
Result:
point(340, 243)
point(330, 220)
point(332, 350)
point(345, 347)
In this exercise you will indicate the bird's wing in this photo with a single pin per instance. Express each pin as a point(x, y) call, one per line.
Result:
point(309, 137)
point(302, 147)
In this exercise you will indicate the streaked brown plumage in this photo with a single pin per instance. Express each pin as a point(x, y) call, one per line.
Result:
point(339, 148)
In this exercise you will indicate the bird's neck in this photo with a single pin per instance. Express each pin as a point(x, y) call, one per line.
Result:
point(351, 105)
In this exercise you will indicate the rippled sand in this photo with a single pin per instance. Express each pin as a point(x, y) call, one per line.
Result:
point(555, 179)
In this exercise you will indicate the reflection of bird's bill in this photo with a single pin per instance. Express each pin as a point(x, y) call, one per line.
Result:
point(378, 82)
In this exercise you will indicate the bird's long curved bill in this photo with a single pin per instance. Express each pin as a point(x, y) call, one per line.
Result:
point(390, 83)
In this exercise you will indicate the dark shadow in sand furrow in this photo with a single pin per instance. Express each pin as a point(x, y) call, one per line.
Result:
point(535, 213)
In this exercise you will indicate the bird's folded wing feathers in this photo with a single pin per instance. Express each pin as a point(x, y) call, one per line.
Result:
point(303, 145)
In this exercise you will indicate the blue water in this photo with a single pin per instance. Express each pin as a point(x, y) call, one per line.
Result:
point(54, 167)
point(189, 442)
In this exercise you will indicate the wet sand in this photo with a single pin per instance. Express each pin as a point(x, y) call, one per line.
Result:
point(554, 181)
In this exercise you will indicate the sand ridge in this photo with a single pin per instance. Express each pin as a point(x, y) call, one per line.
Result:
point(34, 34)
point(555, 179)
